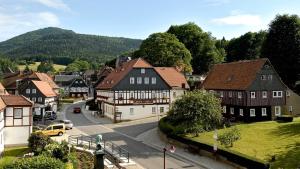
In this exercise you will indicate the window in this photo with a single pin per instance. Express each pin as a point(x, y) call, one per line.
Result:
point(153, 80)
point(131, 94)
point(174, 94)
point(277, 94)
point(252, 112)
point(270, 77)
point(131, 111)
point(40, 99)
point(263, 111)
point(76, 81)
point(58, 127)
point(277, 110)
point(264, 94)
point(139, 80)
point(142, 95)
point(221, 94)
point(33, 90)
point(146, 80)
point(224, 109)
point(164, 94)
point(263, 77)
point(142, 71)
point(290, 108)
point(230, 94)
point(161, 109)
point(288, 94)
point(239, 95)
point(153, 95)
point(18, 113)
point(131, 80)
point(34, 99)
point(27, 91)
point(153, 110)
point(252, 95)
point(241, 112)
point(81, 82)
point(120, 95)
point(231, 110)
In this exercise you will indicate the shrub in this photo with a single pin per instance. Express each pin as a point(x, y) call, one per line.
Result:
point(56, 150)
point(38, 162)
point(37, 142)
point(286, 118)
point(229, 137)
point(73, 159)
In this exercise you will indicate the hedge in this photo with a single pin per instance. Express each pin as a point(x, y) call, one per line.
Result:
point(232, 156)
point(67, 100)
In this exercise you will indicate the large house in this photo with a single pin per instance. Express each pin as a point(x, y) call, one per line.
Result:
point(15, 120)
point(136, 90)
point(73, 85)
point(42, 94)
point(250, 90)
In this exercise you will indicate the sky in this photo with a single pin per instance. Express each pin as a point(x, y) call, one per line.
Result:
point(140, 18)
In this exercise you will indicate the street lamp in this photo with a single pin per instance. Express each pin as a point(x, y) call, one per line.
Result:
point(171, 149)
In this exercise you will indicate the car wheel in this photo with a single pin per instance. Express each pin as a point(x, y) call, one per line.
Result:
point(60, 133)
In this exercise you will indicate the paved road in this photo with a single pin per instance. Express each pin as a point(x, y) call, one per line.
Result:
point(124, 136)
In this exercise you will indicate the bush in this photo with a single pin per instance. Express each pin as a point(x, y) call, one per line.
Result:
point(286, 118)
point(38, 162)
point(73, 159)
point(56, 150)
point(229, 137)
point(37, 142)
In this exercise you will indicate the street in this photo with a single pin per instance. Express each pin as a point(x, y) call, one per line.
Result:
point(126, 135)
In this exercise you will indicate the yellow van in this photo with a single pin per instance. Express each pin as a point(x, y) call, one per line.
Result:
point(54, 129)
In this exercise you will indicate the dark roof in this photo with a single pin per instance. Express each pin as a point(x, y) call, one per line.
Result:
point(14, 100)
point(233, 76)
point(65, 78)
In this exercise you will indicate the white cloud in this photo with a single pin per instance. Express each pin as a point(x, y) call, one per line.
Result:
point(57, 4)
point(240, 19)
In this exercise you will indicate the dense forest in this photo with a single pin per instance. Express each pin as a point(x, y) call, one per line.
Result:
point(62, 46)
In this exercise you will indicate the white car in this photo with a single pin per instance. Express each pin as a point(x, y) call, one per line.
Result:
point(68, 124)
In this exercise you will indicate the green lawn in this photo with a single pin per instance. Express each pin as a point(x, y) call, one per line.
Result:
point(264, 139)
point(34, 66)
point(10, 154)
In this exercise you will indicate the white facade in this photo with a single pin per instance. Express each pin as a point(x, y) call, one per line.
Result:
point(1, 131)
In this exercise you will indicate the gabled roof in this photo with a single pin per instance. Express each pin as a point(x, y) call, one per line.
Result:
point(14, 100)
point(119, 73)
point(46, 78)
point(65, 78)
point(2, 104)
point(233, 76)
point(44, 88)
point(172, 77)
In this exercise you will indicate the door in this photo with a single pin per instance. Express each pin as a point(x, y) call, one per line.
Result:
point(48, 131)
point(277, 110)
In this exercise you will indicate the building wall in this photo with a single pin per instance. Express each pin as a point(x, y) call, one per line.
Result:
point(16, 135)
point(176, 93)
point(292, 102)
point(1, 132)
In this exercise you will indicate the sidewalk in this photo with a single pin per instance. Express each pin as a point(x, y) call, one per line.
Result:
point(95, 119)
point(152, 139)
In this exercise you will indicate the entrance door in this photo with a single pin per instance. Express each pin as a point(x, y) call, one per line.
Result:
point(277, 110)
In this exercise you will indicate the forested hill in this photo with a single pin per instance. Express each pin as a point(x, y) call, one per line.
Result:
point(56, 42)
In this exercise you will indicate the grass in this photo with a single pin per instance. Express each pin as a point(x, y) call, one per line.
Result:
point(34, 66)
point(265, 139)
point(10, 154)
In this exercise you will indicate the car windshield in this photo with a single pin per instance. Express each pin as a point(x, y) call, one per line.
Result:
point(67, 122)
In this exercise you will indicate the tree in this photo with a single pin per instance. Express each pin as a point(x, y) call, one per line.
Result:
point(45, 67)
point(78, 65)
point(37, 142)
point(245, 47)
point(282, 47)
point(164, 49)
point(200, 44)
point(196, 111)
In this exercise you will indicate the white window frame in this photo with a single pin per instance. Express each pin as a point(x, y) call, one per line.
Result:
point(230, 94)
point(146, 80)
point(33, 91)
point(40, 99)
point(240, 95)
point(131, 95)
point(27, 91)
point(232, 110)
point(270, 77)
point(288, 93)
point(143, 71)
point(131, 79)
point(264, 94)
point(224, 109)
point(263, 77)
point(153, 80)
point(241, 112)
point(221, 94)
point(252, 113)
point(263, 111)
point(277, 94)
point(153, 110)
point(34, 99)
point(290, 108)
point(252, 95)
point(139, 80)
point(277, 113)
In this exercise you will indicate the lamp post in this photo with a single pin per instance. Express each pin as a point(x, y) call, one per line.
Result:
point(215, 136)
point(171, 149)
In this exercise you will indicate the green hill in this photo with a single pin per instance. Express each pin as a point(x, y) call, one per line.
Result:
point(57, 43)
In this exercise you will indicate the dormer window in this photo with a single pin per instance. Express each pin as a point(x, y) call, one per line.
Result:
point(143, 71)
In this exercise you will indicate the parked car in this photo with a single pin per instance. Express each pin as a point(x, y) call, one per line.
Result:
point(68, 123)
point(50, 115)
point(77, 110)
point(54, 129)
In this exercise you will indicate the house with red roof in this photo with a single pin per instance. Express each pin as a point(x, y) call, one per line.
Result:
point(136, 90)
point(250, 90)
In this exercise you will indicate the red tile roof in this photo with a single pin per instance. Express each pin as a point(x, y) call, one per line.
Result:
point(2, 104)
point(1, 87)
point(115, 76)
point(44, 88)
point(46, 78)
point(172, 77)
point(14, 100)
point(233, 76)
